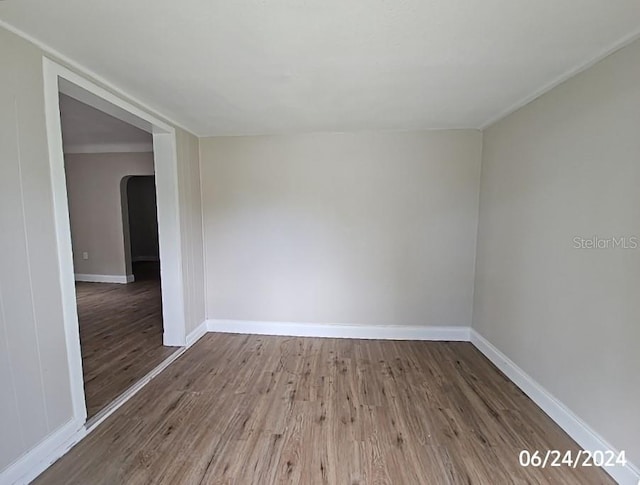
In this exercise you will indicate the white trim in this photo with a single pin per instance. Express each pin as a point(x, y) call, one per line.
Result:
point(44, 454)
point(103, 104)
point(340, 330)
point(169, 238)
point(77, 86)
point(575, 427)
point(197, 333)
point(93, 75)
point(168, 224)
point(109, 148)
point(63, 238)
point(166, 171)
point(565, 76)
point(39, 458)
point(104, 278)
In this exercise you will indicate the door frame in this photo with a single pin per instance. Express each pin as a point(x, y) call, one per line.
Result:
point(58, 78)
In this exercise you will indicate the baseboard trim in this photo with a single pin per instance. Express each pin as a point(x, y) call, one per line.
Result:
point(371, 332)
point(104, 278)
point(44, 454)
point(575, 427)
point(197, 333)
point(38, 459)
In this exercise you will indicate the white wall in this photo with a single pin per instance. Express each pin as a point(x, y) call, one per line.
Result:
point(35, 402)
point(94, 190)
point(362, 228)
point(566, 166)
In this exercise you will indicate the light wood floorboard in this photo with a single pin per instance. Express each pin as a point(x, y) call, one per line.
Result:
point(238, 409)
point(120, 337)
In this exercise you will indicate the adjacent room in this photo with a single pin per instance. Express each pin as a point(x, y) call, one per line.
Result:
point(319, 242)
point(111, 193)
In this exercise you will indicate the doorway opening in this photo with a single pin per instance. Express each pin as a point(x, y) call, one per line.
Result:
point(111, 193)
point(140, 227)
point(124, 310)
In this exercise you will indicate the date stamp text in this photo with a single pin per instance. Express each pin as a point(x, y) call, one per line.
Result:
point(571, 458)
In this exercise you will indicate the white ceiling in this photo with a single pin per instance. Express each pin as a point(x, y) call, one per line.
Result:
point(88, 130)
point(273, 66)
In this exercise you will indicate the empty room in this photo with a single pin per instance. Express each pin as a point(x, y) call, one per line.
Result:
point(320, 242)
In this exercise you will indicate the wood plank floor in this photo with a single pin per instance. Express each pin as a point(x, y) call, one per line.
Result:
point(120, 337)
point(239, 409)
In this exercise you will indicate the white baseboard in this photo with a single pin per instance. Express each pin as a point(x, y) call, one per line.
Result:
point(575, 427)
point(33, 463)
point(41, 456)
point(104, 278)
point(197, 333)
point(341, 330)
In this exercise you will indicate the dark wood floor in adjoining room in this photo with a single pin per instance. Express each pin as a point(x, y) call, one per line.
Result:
point(239, 409)
point(120, 335)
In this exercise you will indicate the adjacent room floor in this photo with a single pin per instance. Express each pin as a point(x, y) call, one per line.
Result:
point(120, 334)
point(252, 409)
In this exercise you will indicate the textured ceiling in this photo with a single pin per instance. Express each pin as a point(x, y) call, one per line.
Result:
point(280, 66)
point(85, 128)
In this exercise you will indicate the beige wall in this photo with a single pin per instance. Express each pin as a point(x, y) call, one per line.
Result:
point(362, 228)
point(35, 398)
point(566, 166)
point(371, 229)
point(191, 231)
point(94, 191)
point(35, 401)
